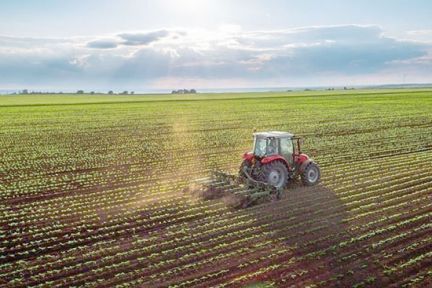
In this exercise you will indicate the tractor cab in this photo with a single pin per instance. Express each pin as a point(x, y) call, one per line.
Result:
point(275, 143)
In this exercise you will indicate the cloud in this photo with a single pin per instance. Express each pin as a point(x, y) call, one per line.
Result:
point(135, 39)
point(299, 56)
point(103, 44)
point(424, 35)
point(421, 32)
point(132, 39)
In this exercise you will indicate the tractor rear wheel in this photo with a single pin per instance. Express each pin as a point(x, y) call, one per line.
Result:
point(276, 174)
point(311, 174)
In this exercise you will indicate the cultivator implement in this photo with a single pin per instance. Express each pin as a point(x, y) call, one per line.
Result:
point(235, 191)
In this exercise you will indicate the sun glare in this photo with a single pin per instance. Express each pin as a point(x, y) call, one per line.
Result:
point(187, 8)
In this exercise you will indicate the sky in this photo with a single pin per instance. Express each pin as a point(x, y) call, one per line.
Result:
point(146, 45)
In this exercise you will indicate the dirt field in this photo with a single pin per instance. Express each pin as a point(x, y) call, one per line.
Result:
point(93, 191)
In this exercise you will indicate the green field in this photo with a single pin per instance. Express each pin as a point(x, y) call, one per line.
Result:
point(92, 191)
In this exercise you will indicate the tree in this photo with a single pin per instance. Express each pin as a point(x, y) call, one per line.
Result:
point(25, 91)
point(124, 92)
point(80, 92)
point(92, 92)
point(110, 92)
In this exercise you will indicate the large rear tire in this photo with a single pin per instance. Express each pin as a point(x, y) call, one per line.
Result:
point(276, 174)
point(311, 175)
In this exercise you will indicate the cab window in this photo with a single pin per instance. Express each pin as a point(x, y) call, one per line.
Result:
point(272, 147)
point(260, 147)
point(287, 149)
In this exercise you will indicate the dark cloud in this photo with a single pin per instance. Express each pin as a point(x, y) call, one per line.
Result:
point(135, 39)
point(343, 57)
point(103, 44)
point(37, 69)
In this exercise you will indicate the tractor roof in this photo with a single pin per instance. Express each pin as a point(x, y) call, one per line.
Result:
point(275, 134)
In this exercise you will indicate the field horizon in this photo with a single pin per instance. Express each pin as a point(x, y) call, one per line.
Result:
point(101, 98)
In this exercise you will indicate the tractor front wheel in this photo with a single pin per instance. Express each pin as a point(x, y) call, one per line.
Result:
point(311, 174)
point(276, 174)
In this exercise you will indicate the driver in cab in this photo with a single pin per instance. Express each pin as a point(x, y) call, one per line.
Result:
point(272, 146)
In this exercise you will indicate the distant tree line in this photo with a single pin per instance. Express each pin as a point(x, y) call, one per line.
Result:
point(184, 91)
point(110, 92)
point(179, 91)
point(344, 88)
point(26, 91)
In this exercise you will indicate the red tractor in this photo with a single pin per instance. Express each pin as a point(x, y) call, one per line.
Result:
point(276, 159)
